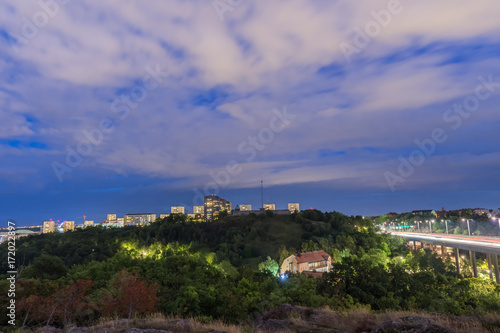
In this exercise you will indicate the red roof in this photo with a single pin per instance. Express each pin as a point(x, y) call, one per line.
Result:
point(314, 256)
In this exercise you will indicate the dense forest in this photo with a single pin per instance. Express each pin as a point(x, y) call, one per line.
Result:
point(227, 270)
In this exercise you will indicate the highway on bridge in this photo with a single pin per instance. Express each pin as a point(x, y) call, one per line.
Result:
point(473, 244)
point(468, 243)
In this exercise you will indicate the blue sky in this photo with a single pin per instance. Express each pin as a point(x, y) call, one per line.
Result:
point(124, 107)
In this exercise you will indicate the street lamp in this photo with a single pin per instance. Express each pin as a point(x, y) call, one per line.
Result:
point(498, 219)
point(418, 225)
point(468, 226)
point(446, 223)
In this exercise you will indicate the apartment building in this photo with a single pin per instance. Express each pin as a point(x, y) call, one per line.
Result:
point(269, 206)
point(176, 210)
point(139, 219)
point(213, 206)
point(293, 207)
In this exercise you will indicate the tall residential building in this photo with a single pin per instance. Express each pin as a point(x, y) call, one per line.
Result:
point(293, 207)
point(68, 226)
point(269, 206)
point(213, 206)
point(198, 210)
point(88, 223)
point(48, 226)
point(138, 219)
point(245, 207)
point(176, 210)
point(111, 217)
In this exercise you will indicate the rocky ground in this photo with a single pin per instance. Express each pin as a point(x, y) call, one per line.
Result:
point(288, 318)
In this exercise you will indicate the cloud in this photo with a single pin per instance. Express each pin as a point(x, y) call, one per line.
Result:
point(227, 77)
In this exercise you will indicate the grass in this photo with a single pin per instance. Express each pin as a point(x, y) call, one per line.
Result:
point(302, 320)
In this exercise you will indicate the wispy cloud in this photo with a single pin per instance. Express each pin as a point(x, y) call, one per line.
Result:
point(226, 77)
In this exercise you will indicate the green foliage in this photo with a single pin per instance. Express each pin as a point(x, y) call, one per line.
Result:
point(270, 266)
point(217, 271)
point(46, 267)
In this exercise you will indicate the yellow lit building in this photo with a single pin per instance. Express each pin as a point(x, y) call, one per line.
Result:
point(245, 207)
point(139, 219)
point(68, 226)
point(213, 206)
point(48, 226)
point(176, 210)
point(293, 207)
point(269, 206)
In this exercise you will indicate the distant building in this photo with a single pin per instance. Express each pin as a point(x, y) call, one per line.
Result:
point(260, 211)
point(482, 211)
point(293, 207)
point(111, 217)
point(114, 224)
point(245, 207)
point(428, 212)
point(68, 226)
point(176, 210)
point(88, 223)
point(269, 206)
point(48, 226)
point(20, 233)
point(198, 210)
point(315, 261)
point(162, 216)
point(213, 205)
point(441, 213)
point(138, 219)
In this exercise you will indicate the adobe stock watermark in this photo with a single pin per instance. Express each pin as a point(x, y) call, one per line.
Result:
point(453, 116)
point(363, 37)
point(31, 27)
point(248, 150)
point(223, 6)
point(121, 107)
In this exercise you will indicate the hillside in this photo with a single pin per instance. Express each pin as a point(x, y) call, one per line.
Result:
point(221, 271)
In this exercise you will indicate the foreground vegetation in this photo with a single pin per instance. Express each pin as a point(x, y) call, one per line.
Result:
point(226, 271)
point(302, 319)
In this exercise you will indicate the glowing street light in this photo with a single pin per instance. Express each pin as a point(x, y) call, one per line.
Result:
point(498, 219)
point(468, 226)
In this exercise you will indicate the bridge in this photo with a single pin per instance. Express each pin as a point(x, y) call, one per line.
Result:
point(488, 246)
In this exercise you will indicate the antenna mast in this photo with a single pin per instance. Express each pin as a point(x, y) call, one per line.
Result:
point(262, 193)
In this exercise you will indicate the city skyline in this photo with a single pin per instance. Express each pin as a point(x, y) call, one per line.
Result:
point(361, 108)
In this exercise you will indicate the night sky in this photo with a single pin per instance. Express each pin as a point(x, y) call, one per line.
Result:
point(362, 107)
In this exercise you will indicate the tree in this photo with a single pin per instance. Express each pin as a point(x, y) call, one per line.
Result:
point(129, 295)
point(270, 266)
point(46, 267)
point(284, 253)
